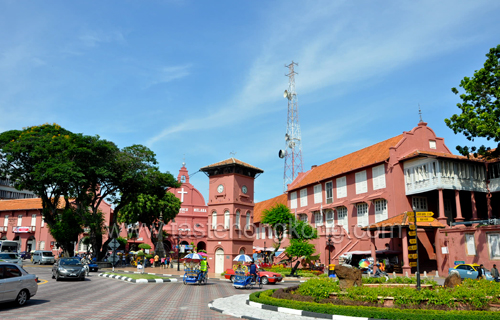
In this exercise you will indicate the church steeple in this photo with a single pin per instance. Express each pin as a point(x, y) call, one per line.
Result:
point(183, 176)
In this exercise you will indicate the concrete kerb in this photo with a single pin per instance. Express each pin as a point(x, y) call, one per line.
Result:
point(127, 279)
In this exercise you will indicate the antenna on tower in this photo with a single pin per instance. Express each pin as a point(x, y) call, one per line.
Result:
point(420, 114)
point(293, 142)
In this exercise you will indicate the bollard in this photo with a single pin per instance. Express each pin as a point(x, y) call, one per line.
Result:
point(425, 274)
point(394, 274)
point(437, 274)
point(406, 273)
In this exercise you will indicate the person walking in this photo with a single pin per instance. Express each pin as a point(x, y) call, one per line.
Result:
point(162, 263)
point(203, 267)
point(168, 262)
point(480, 272)
point(157, 258)
point(495, 274)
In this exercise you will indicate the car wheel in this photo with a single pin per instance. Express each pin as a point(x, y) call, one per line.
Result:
point(264, 280)
point(57, 276)
point(53, 276)
point(82, 278)
point(22, 297)
point(231, 279)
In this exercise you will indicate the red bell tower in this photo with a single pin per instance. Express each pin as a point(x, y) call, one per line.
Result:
point(230, 211)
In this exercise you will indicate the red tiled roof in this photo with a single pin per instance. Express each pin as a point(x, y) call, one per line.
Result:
point(266, 205)
point(402, 220)
point(21, 204)
point(231, 161)
point(370, 155)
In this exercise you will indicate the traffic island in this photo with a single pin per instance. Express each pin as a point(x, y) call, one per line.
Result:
point(137, 278)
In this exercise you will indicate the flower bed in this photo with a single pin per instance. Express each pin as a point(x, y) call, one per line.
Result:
point(471, 300)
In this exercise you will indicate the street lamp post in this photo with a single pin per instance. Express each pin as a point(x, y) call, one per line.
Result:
point(265, 252)
point(178, 252)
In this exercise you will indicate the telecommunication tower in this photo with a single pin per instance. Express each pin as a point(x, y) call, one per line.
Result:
point(293, 143)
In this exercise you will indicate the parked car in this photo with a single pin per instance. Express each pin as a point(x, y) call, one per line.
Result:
point(11, 257)
point(469, 271)
point(266, 276)
point(16, 284)
point(68, 268)
point(43, 257)
point(25, 255)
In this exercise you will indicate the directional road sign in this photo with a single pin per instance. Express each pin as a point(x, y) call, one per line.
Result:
point(413, 241)
point(413, 264)
point(114, 244)
point(114, 258)
point(413, 227)
point(425, 214)
point(420, 219)
point(412, 256)
point(412, 233)
point(412, 248)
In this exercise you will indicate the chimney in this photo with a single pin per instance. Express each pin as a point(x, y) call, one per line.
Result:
point(313, 166)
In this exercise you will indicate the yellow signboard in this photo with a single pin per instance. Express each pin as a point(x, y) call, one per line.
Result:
point(413, 241)
point(412, 256)
point(412, 248)
point(420, 219)
point(411, 219)
point(425, 214)
point(412, 233)
point(413, 227)
point(413, 264)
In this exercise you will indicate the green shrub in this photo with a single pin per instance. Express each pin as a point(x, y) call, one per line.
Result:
point(319, 288)
point(265, 297)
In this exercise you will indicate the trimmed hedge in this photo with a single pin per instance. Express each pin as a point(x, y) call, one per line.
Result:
point(265, 297)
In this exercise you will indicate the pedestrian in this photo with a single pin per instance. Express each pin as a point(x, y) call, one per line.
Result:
point(481, 272)
point(157, 258)
point(162, 263)
point(168, 261)
point(495, 274)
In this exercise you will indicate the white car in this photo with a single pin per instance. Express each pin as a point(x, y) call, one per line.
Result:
point(11, 257)
point(16, 284)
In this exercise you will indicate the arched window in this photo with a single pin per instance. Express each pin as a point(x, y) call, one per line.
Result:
point(226, 220)
point(237, 222)
point(247, 225)
point(214, 220)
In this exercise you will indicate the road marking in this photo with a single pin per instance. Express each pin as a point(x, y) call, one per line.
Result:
point(41, 281)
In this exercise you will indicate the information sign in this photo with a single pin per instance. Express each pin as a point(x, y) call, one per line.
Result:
point(412, 256)
point(413, 241)
point(425, 214)
point(413, 227)
point(420, 219)
point(412, 248)
point(413, 264)
point(412, 233)
point(114, 244)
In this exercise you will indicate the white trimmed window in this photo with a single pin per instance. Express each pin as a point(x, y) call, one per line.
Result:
point(270, 232)
point(318, 219)
point(226, 220)
point(419, 203)
point(303, 217)
point(263, 229)
point(237, 222)
point(6, 221)
point(494, 245)
point(470, 244)
point(318, 195)
point(33, 220)
point(43, 222)
point(432, 144)
point(42, 245)
point(303, 197)
point(248, 221)
point(341, 187)
point(362, 209)
point(329, 218)
point(329, 192)
point(380, 210)
point(257, 233)
point(378, 177)
point(214, 220)
point(342, 219)
point(19, 220)
point(361, 184)
point(293, 200)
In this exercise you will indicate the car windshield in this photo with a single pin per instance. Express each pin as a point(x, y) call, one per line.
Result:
point(69, 262)
point(47, 254)
point(5, 255)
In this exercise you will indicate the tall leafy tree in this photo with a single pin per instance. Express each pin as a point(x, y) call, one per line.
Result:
point(480, 106)
point(279, 219)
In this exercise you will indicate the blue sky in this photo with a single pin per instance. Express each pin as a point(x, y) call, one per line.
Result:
point(201, 79)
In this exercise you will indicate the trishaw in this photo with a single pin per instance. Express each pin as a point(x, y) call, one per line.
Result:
point(241, 277)
point(192, 272)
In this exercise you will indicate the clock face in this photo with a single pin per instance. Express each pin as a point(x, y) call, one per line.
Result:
point(220, 188)
point(244, 189)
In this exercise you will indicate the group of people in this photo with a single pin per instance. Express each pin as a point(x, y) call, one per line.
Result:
point(494, 273)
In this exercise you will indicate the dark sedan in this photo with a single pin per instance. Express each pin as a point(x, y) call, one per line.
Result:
point(68, 268)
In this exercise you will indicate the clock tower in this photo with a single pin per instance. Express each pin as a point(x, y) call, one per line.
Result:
point(230, 211)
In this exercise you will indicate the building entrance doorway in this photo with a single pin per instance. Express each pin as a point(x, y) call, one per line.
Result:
point(219, 261)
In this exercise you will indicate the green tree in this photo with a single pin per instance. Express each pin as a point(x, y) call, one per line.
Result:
point(300, 233)
point(147, 208)
point(279, 219)
point(480, 106)
point(298, 249)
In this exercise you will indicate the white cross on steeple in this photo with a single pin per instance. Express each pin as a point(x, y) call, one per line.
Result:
point(182, 192)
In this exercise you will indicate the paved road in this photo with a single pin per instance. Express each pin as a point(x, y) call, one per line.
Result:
point(102, 298)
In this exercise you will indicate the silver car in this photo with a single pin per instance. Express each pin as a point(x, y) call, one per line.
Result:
point(16, 284)
point(11, 257)
point(68, 268)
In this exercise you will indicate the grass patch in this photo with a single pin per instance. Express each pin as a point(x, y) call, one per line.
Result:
point(135, 275)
